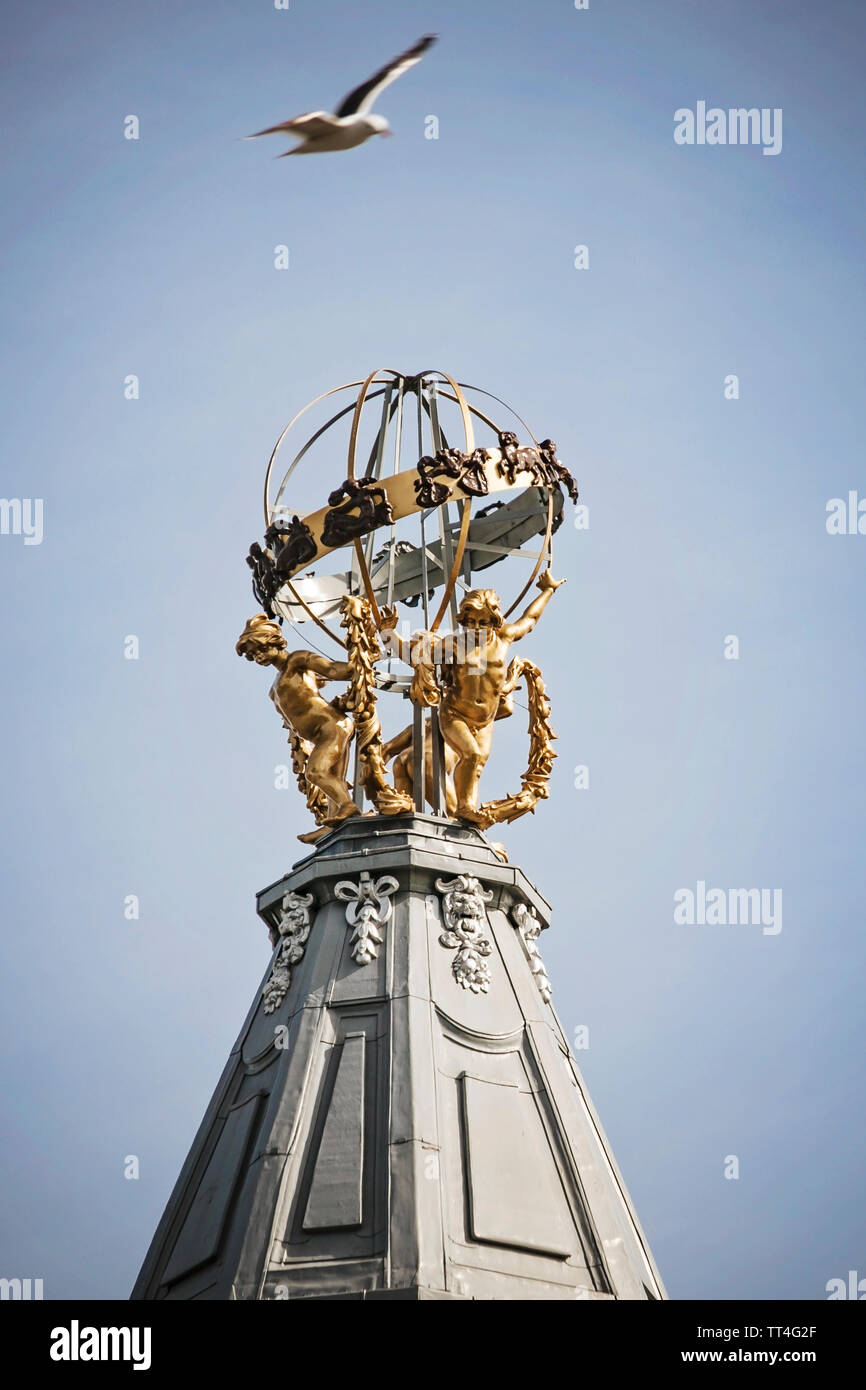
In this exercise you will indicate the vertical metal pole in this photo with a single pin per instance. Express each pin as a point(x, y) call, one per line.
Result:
point(424, 516)
point(467, 554)
point(418, 712)
point(376, 470)
point(398, 441)
point(374, 464)
point(357, 789)
point(392, 540)
point(439, 442)
point(418, 755)
point(437, 791)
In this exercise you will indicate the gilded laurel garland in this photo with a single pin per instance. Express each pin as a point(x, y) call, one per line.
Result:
point(317, 802)
point(362, 641)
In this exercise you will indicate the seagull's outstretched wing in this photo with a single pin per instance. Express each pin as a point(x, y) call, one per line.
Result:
point(312, 124)
point(362, 98)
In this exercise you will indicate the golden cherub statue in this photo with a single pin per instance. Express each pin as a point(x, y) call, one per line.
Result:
point(476, 684)
point(324, 730)
point(464, 674)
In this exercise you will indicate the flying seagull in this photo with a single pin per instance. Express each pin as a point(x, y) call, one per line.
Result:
point(352, 123)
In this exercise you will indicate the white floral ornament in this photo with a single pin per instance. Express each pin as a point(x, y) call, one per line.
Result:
point(293, 928)
point(466, 922)
point(529, 927)
point(368, 909)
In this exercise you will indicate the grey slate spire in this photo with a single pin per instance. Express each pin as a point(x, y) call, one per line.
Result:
point(401, 1116)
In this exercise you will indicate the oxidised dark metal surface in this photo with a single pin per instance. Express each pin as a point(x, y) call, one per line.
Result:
point(358, 506)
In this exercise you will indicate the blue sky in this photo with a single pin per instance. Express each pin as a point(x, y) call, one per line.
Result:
point(707, 519)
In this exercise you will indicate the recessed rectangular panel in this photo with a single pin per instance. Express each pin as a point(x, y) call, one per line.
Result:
point(199, 1237)
point(515, 1194)
point(335, 1192)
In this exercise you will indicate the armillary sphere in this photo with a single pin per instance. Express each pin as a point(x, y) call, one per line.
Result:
point(420, 508)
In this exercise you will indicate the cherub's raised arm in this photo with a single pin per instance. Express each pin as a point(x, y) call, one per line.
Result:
point(512, 632)
point(422, 648)
point(322, 666)
point(395, 645)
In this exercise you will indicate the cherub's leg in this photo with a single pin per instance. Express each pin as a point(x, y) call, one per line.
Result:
point(450, 793)
point(398, 744)
point(471, 754)
point(403, 773)
point(343, 731)
point(400, 749)
point(484, 739)
point(403, 769)
point(326, 767)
